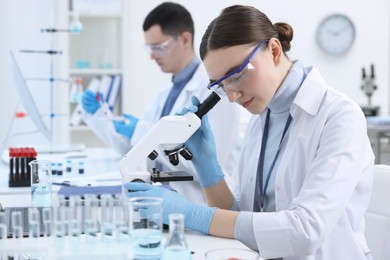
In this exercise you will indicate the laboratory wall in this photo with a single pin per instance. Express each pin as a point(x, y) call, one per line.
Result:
point(371, 19)
point(21, 20)
point(20, 28)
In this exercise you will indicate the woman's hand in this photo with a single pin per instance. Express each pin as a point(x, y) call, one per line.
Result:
point(197, 217)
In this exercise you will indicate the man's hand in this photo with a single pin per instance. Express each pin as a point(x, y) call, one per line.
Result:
point(90, 102)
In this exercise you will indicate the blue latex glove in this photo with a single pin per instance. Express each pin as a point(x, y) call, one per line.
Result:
point(202, 146)
point(90, 102)
point(197, 217)
point(126, 128)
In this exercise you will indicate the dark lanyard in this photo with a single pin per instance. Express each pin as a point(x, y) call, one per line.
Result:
point(260, 167)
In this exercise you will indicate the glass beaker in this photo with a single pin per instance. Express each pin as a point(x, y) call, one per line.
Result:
point(40, 183)
point(146, 227)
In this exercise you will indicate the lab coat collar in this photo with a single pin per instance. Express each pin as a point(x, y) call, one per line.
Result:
point(200, 75)
point(309, 98)
point(191, 86)
point(284, 96)
point(188, 71)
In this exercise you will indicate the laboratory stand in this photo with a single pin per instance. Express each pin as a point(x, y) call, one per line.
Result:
point(369, 87)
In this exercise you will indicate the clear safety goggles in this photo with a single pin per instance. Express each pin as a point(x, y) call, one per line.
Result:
point(161, 49)
point(236, 78)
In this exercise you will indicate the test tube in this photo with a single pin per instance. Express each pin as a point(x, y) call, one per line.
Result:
point(81, 167)
point(3, 234)
point(121, 217)
point(23, 167)
point(59, 219)
point(67, 213)
point(91, 207)
point(60, 169)
point(17, 224)
point(107, 225)
point(53, 168)
point(17, 165)
point(34, 229)
point(33, 223)
point(47, 217)
point(68, 166)
point(17, 232)
point(75, 209)
point(3, 226)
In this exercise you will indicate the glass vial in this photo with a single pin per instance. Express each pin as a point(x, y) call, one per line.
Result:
point(34, 223)
point(176, 247)
point(3, 227)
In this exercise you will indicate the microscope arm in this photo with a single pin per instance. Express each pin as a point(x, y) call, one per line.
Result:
point(171, 132)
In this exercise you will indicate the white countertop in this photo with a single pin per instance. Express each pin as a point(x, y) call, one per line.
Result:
point(101, 164)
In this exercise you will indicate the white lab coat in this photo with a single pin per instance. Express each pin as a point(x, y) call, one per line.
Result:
point(223, 119)
point(323, 183)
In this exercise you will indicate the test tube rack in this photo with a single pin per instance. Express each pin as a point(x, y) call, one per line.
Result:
point(74, 228)
point(19, 169)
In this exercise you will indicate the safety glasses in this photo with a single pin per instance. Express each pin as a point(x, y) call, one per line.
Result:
point(161, 49)
point(232, 80)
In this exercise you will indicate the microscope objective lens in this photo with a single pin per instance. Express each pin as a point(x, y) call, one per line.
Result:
point(174, 159)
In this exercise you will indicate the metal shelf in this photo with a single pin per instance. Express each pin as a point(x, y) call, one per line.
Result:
point(74, 71)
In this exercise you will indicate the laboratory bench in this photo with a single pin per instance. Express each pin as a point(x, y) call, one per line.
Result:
point(100, 164)
point(379, 136)
point(77, 248)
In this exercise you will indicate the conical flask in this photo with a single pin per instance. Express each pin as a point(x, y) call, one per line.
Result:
point(176, 247)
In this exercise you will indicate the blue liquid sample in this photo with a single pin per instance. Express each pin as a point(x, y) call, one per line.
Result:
point(146, 243)
point(34, 229)
point(82, 64)
point(41, 195)
point(176, 253)
point(59, 229)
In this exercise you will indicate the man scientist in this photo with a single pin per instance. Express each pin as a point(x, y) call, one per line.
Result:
point(169, 40)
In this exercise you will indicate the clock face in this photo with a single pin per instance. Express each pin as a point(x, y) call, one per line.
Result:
point(336, 34)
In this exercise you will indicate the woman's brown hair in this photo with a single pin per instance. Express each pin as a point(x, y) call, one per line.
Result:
point(238, 25)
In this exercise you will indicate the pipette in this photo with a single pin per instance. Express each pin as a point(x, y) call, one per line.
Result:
point(104, 106)
point(98, 98)
point(107, 111)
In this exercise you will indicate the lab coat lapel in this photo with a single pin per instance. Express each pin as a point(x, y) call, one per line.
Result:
point(248, 171)
point(301, 104)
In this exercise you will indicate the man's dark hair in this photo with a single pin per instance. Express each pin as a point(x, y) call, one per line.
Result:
point(173, 19)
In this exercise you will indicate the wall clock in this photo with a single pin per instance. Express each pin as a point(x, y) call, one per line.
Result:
point(335, 34)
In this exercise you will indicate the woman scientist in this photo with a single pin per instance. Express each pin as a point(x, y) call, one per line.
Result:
point(306, 167)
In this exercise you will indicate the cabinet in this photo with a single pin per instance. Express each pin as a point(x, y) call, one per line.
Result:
point(93, 54)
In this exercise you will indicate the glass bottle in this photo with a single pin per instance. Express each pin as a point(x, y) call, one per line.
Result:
point(176, 247)
point(76, 90)
point(75, 25)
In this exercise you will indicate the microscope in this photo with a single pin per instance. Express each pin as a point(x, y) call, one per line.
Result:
point(171, 132)
point(368, 87)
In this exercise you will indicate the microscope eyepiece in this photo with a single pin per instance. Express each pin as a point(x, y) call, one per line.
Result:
point(208, 104)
